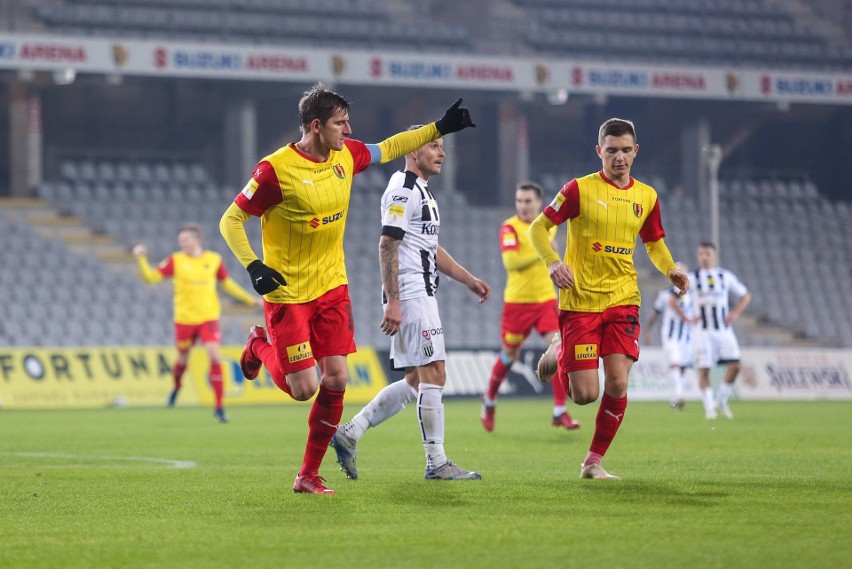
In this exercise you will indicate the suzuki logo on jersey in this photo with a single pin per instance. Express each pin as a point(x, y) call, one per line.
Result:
point(609, 249)
point(339, 171)
point(326, 219)
point(429, 229)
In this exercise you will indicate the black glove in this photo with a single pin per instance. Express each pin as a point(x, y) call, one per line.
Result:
point(455, 119)
point(264, 279)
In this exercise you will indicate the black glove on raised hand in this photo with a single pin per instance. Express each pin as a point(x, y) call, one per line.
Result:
point(455, 119)
point(264, 279)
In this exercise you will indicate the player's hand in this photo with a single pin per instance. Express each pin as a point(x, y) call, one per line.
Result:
point(264, 279)
point(481, 289)
point(680, 280)
point(392, 318)
point(561, 275)
point(455, 119)
point(139, 250)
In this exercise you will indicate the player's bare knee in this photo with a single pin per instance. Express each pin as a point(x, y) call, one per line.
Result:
point(581, 398)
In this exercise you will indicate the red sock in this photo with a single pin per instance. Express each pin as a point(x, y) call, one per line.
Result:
point(266, 353)
point(498, 374)
point(322, 424)
point(177, 375)
point(559, 394)
point(216, 383)
point(610, 416)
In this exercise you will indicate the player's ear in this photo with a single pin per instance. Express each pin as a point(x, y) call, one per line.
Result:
point(598, 149)
point(635, 149)
point(315, 125)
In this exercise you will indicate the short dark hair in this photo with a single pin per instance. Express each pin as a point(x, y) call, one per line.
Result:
point(319, 103)
point(532, 187)
point(616, 127)
point(708, 245)
point(192, 228)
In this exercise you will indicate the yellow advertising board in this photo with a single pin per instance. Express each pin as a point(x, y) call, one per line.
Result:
point(39, 378)
point(42, 378)
point(366, 379)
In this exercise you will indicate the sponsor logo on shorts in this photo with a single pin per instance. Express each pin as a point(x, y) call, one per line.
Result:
point(427, 334)
point(513, 338)
point(585, 351)
point(299, 352)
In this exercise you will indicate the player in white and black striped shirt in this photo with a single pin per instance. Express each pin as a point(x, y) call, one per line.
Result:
point(410, 259)
point(715, 341)
point(677, 332)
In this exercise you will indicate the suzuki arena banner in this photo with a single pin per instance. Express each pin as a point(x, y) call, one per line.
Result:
point(248, 62)
point(41, 378)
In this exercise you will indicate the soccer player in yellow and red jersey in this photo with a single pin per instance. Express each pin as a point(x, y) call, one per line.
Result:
point(599, 295)
point(195, 273)
point(301, 193)
point(529, 302)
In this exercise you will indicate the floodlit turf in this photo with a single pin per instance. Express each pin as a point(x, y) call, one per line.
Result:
point(93, 489)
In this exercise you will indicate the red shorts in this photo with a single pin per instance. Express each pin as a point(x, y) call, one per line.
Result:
point(520, 318)
point(304, 333)
point(187, 334)
point(589, 336)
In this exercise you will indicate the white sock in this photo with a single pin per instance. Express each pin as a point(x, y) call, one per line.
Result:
point(558, 410)
point(430, 413)
point(725, 391)
point(709, 407)
point(676, 377)
point(387, 403)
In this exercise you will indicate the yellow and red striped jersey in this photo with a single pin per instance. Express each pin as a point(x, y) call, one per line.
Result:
point(303, 205)
point(528, 280)
point(603, 224)
point(196, 299)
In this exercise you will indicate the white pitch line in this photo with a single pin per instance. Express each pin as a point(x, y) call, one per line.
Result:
point(171, 463)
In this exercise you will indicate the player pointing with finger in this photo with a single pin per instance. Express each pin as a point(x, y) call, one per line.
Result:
point(301, 193)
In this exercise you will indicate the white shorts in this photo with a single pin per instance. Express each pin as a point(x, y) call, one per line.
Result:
point(679, 353)
point(420, 339)
point(715, 347)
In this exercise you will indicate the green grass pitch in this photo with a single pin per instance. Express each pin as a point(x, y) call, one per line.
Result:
point(96, 489)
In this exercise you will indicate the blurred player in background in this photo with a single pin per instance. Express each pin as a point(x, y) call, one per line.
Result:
point(301, 193)
point(599, 295)
point(677, 332)
point(529, 302)
point(195, 272)
point(410, 259)
point(715, 340)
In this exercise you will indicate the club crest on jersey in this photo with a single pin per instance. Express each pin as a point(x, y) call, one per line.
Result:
point(339, 171)
point(638, 209)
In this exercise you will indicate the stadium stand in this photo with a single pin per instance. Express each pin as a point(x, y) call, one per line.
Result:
point(368, 22)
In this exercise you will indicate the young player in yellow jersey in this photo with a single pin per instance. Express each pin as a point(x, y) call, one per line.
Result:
point(599, 294)
point(195, 273)
point(529, 302)
point(301, 193)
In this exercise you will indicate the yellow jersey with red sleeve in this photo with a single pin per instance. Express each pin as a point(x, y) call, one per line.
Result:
point(603, 224)
point(195, 299)
point(528, 280)
point(303, 206)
